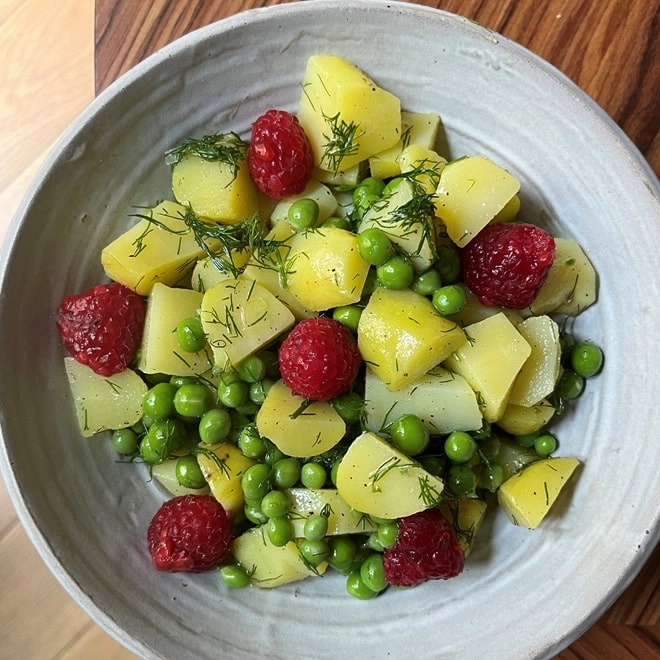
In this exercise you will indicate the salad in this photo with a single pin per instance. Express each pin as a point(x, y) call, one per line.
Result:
point(333, 347)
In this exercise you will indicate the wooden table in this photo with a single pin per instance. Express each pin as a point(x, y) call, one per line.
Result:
point(610, 48)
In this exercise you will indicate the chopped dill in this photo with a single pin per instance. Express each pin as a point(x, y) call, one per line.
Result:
point(341, 142)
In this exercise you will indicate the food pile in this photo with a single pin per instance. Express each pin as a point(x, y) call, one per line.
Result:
point(333, 347)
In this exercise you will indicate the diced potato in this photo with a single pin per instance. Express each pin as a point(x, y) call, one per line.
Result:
point(521, 420)
point(377, 479)
point(490, 360)
point(401, 218)
point(217, 190)
point(268, 565)
point(349, 178)
point(315, 190)
point(528, 496)
point(346, 116)
point(572, 282)
point(240, 316)
point(325, 268)
point(159, 249)
point(442, 400)
point(165, 474)
point(509, 212)
point(426, 163)
point(417, 128)
point(206, 274)
point(475, 311)
point(342, 519)
point(295, 428)
point(539, 374)
point(472, 191)
point(223, 466)
point(401, 336)
point(104, 403)
point(466, 517)
point(160, 352)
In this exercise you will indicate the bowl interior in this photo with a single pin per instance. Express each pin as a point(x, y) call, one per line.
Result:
point(523, 593)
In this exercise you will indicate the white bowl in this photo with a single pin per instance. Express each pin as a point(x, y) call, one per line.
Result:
point(523, 594)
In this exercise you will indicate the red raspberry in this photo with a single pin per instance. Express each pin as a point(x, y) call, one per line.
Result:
point(279, 156)
point(190, 533)
point(102, 327)
point(319, 360)
point(506, 264)
point(425, 549)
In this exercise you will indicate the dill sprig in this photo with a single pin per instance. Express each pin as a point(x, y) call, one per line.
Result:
point(227, 148)
point(341, 142)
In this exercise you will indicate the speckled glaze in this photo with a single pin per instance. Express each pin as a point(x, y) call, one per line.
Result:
point(523, 594)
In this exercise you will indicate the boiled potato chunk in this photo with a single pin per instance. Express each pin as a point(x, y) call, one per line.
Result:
point(268, 565)
point(342, 519)
point(472, 191)
point(425, 164)
point(475, 310)
point(442, 400)
point(217, 190)
point(417, 128)
point(160, 352)
point(539, 374)
point(104, 402)
point(490, 361)
point(413, 234)
point(165, 474)
point(521, 420)
point(527, 497)
point(207, 274)
point(465, 516)
point(223, 465)
point(159, 249)
point(295, 428)
point(325, 268)
point(401, 337)
point(346, 116)
point(377, 479)
point(315, 190)
point(571, 285)
point(240, 316)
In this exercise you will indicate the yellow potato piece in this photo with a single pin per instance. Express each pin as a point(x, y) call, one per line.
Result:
point(466, 517)
point(165, 474)
point(521, 420)
point(528, 496)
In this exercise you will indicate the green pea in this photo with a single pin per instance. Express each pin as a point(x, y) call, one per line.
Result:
point(125, 441)
point(253, 513)
point(214, 425)
point(357, 588)
point(303, 214)
point(373, 543)
point(370, 284)
point(449, 264)
point(249, 408)
point(449, 300)
point(387, 533)
point(586, 359)
point(178, 381)
point(396, 273)
point(370, 185)
point(251, 443)
point(193, 400)
point(314, 552)
point(315, 528)
point(313, 475)
point(491, 477)
point(340, 223)
point(275, 504)
point(234, 576)
point(342, 552)
point(433, 463)
point(460, 446)
point(259, 391)
point(188, 472)
point(333, 471)
point(545, 444)
point(158, 401)
point(252, 369)
point(364, 202)
point(348, 315)
point(286, 472)
point(528, 439)
point(373, 573)
point(570, 385)
point(350, 407)
point(233, 393)
point(279, 530)
point(375, 246)
point(256, 481)
point(462, 481)
point(162, 438)
point(427, 282)
point(392, 185)
point(190, 335)
point(409, 434)
point(273, 454)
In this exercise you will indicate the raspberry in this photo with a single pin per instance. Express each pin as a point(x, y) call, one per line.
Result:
point(319, 360)
point(279, 156)
point(190, 533)
point(506, 264)
point(426, 549)
point(102, 327)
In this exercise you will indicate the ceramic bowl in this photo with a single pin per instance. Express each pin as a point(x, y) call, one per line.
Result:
point(523, 594)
